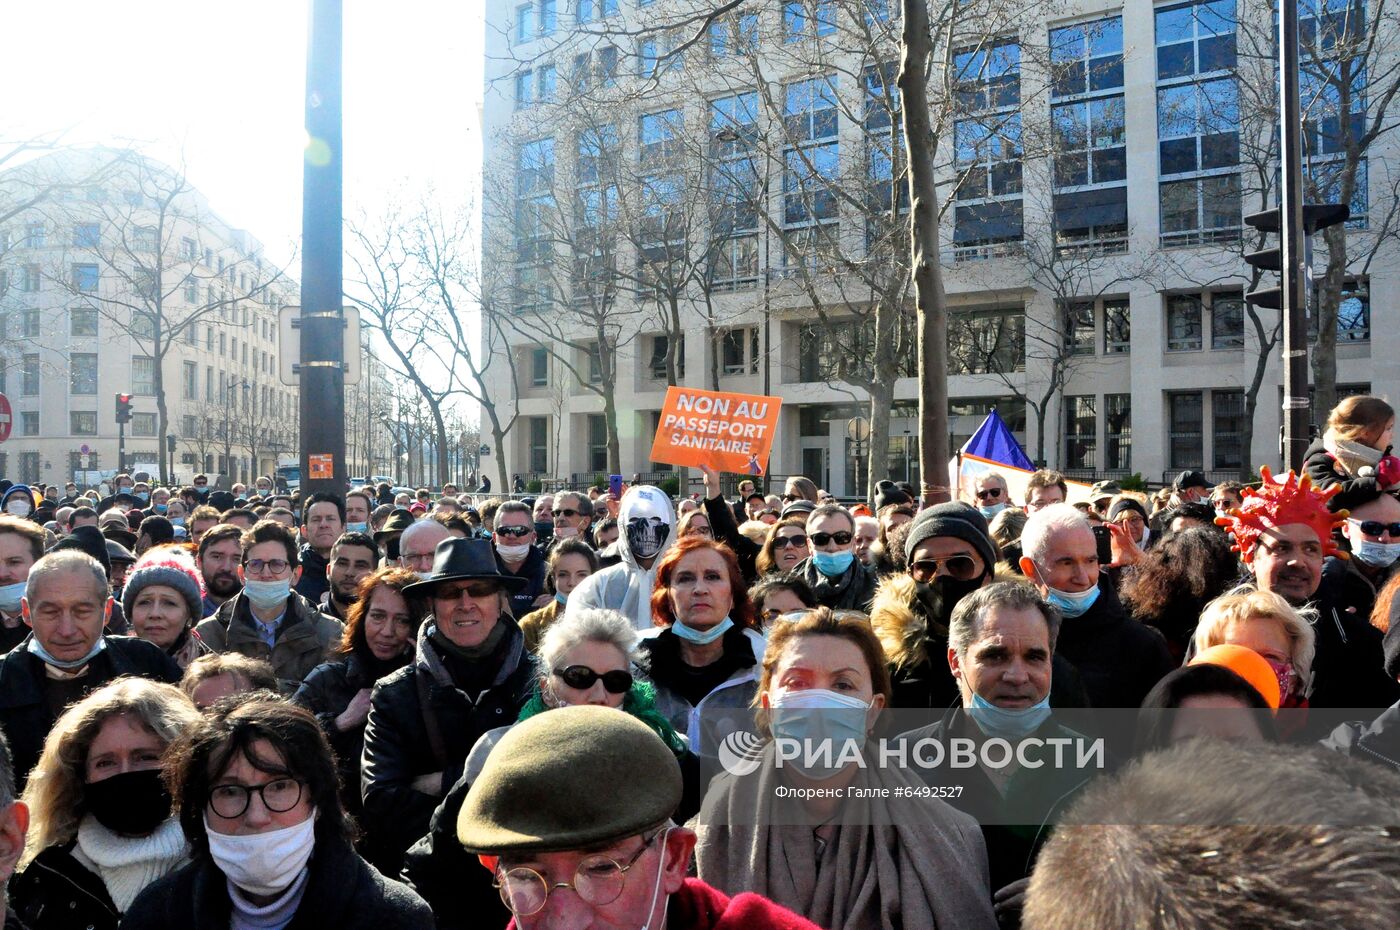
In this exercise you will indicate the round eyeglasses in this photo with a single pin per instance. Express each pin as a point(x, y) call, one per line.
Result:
point(279, 796)
point(598, 880)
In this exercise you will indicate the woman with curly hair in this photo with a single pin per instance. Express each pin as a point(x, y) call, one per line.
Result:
point(101, 827)
point(1175, 580)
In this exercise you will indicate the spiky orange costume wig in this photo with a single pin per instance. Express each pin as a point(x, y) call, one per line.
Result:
point(1280, 503)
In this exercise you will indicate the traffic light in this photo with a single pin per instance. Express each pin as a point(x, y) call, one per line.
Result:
point(1315, 216)
point(123, 408)
point(170, 444)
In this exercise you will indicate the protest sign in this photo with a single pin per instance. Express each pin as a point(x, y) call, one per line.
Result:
point(729, 432)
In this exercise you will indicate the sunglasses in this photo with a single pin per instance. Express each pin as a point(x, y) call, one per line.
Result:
point(1376, 527)
point(989, 494)
point(841, 539)
point(514, 531)
point(581, 678)
point(783, 542)
point(789, 498)
point(480, 589)
point(961, 567)
point(565, 512)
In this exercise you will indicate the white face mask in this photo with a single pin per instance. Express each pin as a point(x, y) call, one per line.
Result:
point(18, 507)
point(513, 553)
point(264, 863)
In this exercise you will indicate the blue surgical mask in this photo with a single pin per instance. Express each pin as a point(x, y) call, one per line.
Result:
point(1072, 603)
point(1377, 554)
point(833, 564)
point(814, 716)
point(561, 599)
point(265, 595)
point(1005, 722)
point(143, 496)
point(10, 596)
point(177, 521)
point(702, 637)
point(37, 648)
point(357, 527)
point(162, 508)
point(992, 510)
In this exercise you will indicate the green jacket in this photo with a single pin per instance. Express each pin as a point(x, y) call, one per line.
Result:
point(305, 639)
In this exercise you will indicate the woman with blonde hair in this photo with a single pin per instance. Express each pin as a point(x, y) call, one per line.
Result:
point(101, 827)
point(1268, 624)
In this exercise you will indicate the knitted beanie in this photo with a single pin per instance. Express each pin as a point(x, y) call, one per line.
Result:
point(171, 566)
point(952, 519)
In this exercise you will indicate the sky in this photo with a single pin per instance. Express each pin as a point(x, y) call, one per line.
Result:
point(218, 87)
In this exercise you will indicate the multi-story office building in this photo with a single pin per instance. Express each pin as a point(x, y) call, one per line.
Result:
point(116, 277)
point(1095, 164)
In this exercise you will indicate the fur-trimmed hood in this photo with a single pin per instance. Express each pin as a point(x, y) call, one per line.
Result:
point(903, 631)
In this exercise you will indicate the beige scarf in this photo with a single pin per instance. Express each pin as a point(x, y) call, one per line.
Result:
point(922, 863)
point(1351, 456)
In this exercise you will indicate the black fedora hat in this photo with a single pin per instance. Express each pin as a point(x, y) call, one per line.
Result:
point(458, 559)
point(399, 519)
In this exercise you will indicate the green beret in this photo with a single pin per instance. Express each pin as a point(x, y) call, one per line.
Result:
point(569, 779)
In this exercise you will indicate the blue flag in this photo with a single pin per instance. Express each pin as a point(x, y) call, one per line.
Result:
point(994, 441)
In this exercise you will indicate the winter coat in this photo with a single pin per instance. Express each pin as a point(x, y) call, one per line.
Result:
point(1349, 666)
point(1119, 659)
point(24, 712)
point(1322, 468)
point(726, 530)
point(854, 590)
point(326, 692)
point(919, 672)
point(342, 892)
point(305, 638)
point(726, 708)
point(1352, 589)
point(400, 737)
point(626, 586)
point(537, 622)
point(313, 583)
point(533, 571)
point(1377, 741)
point(697, 906)
point(57, 892)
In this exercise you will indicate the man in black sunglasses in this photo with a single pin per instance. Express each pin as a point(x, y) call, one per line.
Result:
point(1372, 532)
point(573, 516)
point(839, 580)
point(514, 538)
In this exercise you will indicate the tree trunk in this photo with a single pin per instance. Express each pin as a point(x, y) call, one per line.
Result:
point(930, 300)
point(1041, 410)
point(1329, 298)
point(440, 444)
point(878, 463)
point(167, 467)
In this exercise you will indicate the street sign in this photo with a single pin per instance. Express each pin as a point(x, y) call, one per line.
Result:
point(289, 345)
point(485, 450)
point(5, 418)
point(84, 448)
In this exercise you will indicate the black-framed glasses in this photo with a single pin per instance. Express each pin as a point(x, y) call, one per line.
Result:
point(989, 494)
point(598, 880)
point(961, 567)
point(276, 566)
point(581, 678)
point(789, 498)
point(565, 512)
point(516, 532)
point(1376, 527)
point(279, 796)
point(841, 538)
point(782, 542)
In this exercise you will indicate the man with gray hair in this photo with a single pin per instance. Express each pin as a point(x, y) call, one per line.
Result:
point(1118, 658)
point(67, 653)
point(514, 536)
point(1001, 645)
point(573, 516)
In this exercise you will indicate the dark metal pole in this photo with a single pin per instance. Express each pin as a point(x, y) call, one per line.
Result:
point(322, 374)
point(1291, 242)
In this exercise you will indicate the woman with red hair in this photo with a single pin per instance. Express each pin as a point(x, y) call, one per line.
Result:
point(704, 652)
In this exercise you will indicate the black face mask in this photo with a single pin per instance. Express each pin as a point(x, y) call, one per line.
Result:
point(938, 598)
point(131, 804)
point(544, 529)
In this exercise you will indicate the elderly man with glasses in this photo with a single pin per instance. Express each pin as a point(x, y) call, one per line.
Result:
point(267, 619)
point(572, 513)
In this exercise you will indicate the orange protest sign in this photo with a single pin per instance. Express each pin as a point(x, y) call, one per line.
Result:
point(322, 467)
point(728, 432)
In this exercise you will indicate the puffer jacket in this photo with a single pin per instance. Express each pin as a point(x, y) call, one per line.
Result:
point(1321, 466)
point(854, 590)
point(399, 741)
point(727, 708)
point(305, 638)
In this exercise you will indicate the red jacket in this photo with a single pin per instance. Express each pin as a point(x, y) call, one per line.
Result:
point(697, 906)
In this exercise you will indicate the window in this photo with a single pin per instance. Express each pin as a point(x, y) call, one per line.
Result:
point(802, 18)
point(145, 239)
point(29, 279)
point(1080, 329)
point(595, 364)
point(548, 19)
point(35, 235)
point(986, 342)
point(1186, 431)
point(82, 422)
point(191, 291)
point(987, 150)
point(1334, 49)
point(82, 373)
point(30, 320)
point(659, 345)
point(189, 249)
point(1117, 327)
point(1227, 428)
point(546, 83)
point(539, 444)
point(1198, 122)
point(1227, 321)
point(85, 278)
point(523, 14)
point(539, 368)
point(739, 351)
point(734, 35)
point(29, 384)
point(733, 263)
point(608, 58)
point(884, 141)
point(29, 424)
point(811, 160)
point(87, 235)
point(143, 325)
point(658, 135)
point(82, 322)
point(143, 375)
point(190, 381)
point(190, 426)
point(524, 89)
point(1118, 432)
point(1354, 313)
point(1184, 323)
point(143, 424)
point(734, 176)
point(1081, 428)
point(597, 442)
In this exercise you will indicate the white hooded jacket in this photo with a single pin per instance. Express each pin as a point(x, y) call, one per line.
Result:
point(626, 586)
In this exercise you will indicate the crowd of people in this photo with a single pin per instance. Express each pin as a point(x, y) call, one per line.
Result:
point(251, 709)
